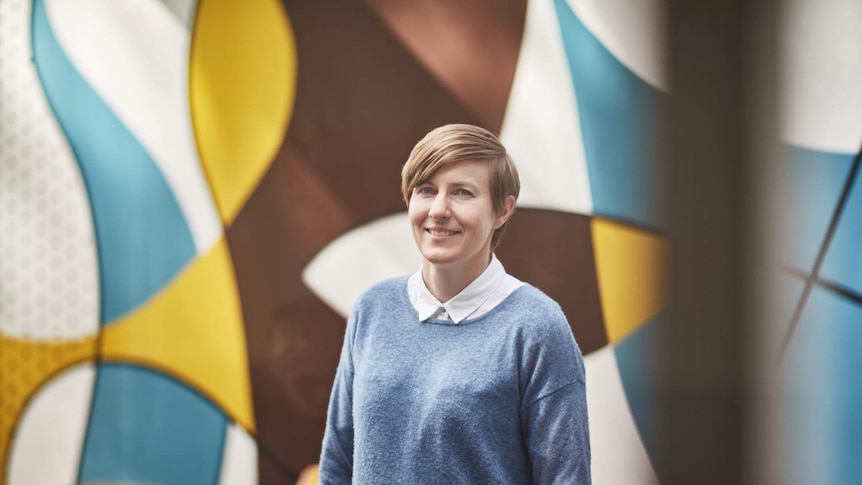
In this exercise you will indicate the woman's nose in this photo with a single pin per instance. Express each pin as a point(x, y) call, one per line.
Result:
point(439, 207)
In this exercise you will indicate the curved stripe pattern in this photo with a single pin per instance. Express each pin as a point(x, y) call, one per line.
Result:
point(49, 435)
point(637, 357)
point(810, 191)
point(239, 458)
point(242, 82)
point(183, 10)
point(618, 454)
point(48, 257)
point(820, 46)
point(817, 420)
point(147, 428)
point(25, 367)
point(634, 32)
point(843, 262)
point(143, 239)
point(192, 330)
point(143, 79)
point(618, 113)
point(630, 266)
point(369, 253)
point(820, 432)
point(541, 128)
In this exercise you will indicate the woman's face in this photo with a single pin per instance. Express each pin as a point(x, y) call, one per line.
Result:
point(452, 217)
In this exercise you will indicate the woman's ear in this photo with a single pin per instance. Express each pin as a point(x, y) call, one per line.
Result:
point(508, 209)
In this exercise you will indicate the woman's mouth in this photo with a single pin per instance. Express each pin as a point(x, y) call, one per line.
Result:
point(441, 232)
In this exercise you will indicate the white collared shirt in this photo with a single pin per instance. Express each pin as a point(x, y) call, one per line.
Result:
point(487, 291)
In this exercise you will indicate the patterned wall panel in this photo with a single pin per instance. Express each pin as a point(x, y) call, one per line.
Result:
point(213, 182)
point(819, 437)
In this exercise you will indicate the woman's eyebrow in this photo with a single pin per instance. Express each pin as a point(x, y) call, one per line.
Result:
point(465, 184)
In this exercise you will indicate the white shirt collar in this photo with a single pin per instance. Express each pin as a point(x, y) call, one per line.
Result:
point(461, 305)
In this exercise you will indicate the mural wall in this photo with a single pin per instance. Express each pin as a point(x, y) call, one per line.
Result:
point(818, 431)
point(193, 193)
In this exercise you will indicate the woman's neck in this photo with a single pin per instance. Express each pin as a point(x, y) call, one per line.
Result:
point(444, 282)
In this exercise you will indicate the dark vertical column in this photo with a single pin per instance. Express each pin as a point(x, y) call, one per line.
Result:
point(711, 150)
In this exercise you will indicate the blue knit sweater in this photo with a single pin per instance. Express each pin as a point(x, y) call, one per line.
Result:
point(495, 399)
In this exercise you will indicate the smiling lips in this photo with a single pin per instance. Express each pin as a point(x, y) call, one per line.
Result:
point(440, 232)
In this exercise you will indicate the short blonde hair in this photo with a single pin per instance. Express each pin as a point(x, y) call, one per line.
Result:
point(456, 143)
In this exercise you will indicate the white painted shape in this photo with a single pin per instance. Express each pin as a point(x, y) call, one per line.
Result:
point(184, 10)
point(634, 32)
point(48, 441)
point(821, 74)
point(239, 461)
point(348, 265)
point(541, 128)
point(135, 55)
point(618, 452)
point(49, 274)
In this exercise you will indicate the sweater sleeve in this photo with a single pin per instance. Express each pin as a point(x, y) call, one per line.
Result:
point(336, 458)
point(554, 413)
point(558, 437)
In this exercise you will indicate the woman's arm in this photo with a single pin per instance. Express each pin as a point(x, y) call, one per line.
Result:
point(554, 417)
point(336, 456)
point(558, 437)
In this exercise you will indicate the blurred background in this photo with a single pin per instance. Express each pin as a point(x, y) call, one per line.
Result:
point(194, 192)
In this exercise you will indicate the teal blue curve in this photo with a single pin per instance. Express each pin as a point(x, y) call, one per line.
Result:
point(142, 236)
point(637, 355)
point(811, 185)
point(843, 261)
point(619, 116)
point(822, 369)
point(145, 427)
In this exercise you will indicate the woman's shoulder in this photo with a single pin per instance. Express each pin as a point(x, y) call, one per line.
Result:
point(544, 333)
point(385, 292)
point(537, 315)
point(535, 302)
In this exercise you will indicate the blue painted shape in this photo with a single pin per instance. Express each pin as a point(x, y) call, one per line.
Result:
point(142, 236)
point(619, 115)
point(843, 261)
point(822, 392)
point(788, 290)
point(810, 187)
point(637, 356)
point(145, 427)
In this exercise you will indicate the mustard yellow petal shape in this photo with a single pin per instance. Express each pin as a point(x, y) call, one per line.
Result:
point(24, 367)
point(630, 266)
point(242, 85)
point(193, 331)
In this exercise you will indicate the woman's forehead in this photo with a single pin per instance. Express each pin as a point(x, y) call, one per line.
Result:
point(464, 171)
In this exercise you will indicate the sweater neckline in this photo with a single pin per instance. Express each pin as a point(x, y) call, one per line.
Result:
point(405, 298)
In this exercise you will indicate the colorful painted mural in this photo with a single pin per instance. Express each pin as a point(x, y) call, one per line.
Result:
point(819, 285)
point(194, 192)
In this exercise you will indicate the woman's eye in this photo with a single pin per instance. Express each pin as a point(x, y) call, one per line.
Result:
point(464, 192)
point(425, 190)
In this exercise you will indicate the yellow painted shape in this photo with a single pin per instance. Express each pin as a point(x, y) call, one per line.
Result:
point(242, 85)
point(310, 475)
point(630, 265)
point(24, 367)
point(193, 331)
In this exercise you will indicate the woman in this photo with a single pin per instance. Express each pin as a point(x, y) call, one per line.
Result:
point(459, 373)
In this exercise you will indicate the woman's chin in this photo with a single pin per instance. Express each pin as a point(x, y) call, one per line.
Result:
point(437, 260)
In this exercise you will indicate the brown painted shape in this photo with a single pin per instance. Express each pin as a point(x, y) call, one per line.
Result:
point(293, 338)
point(271, 471)
point(472, 47)
point(362, 102)
point(554, 252)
